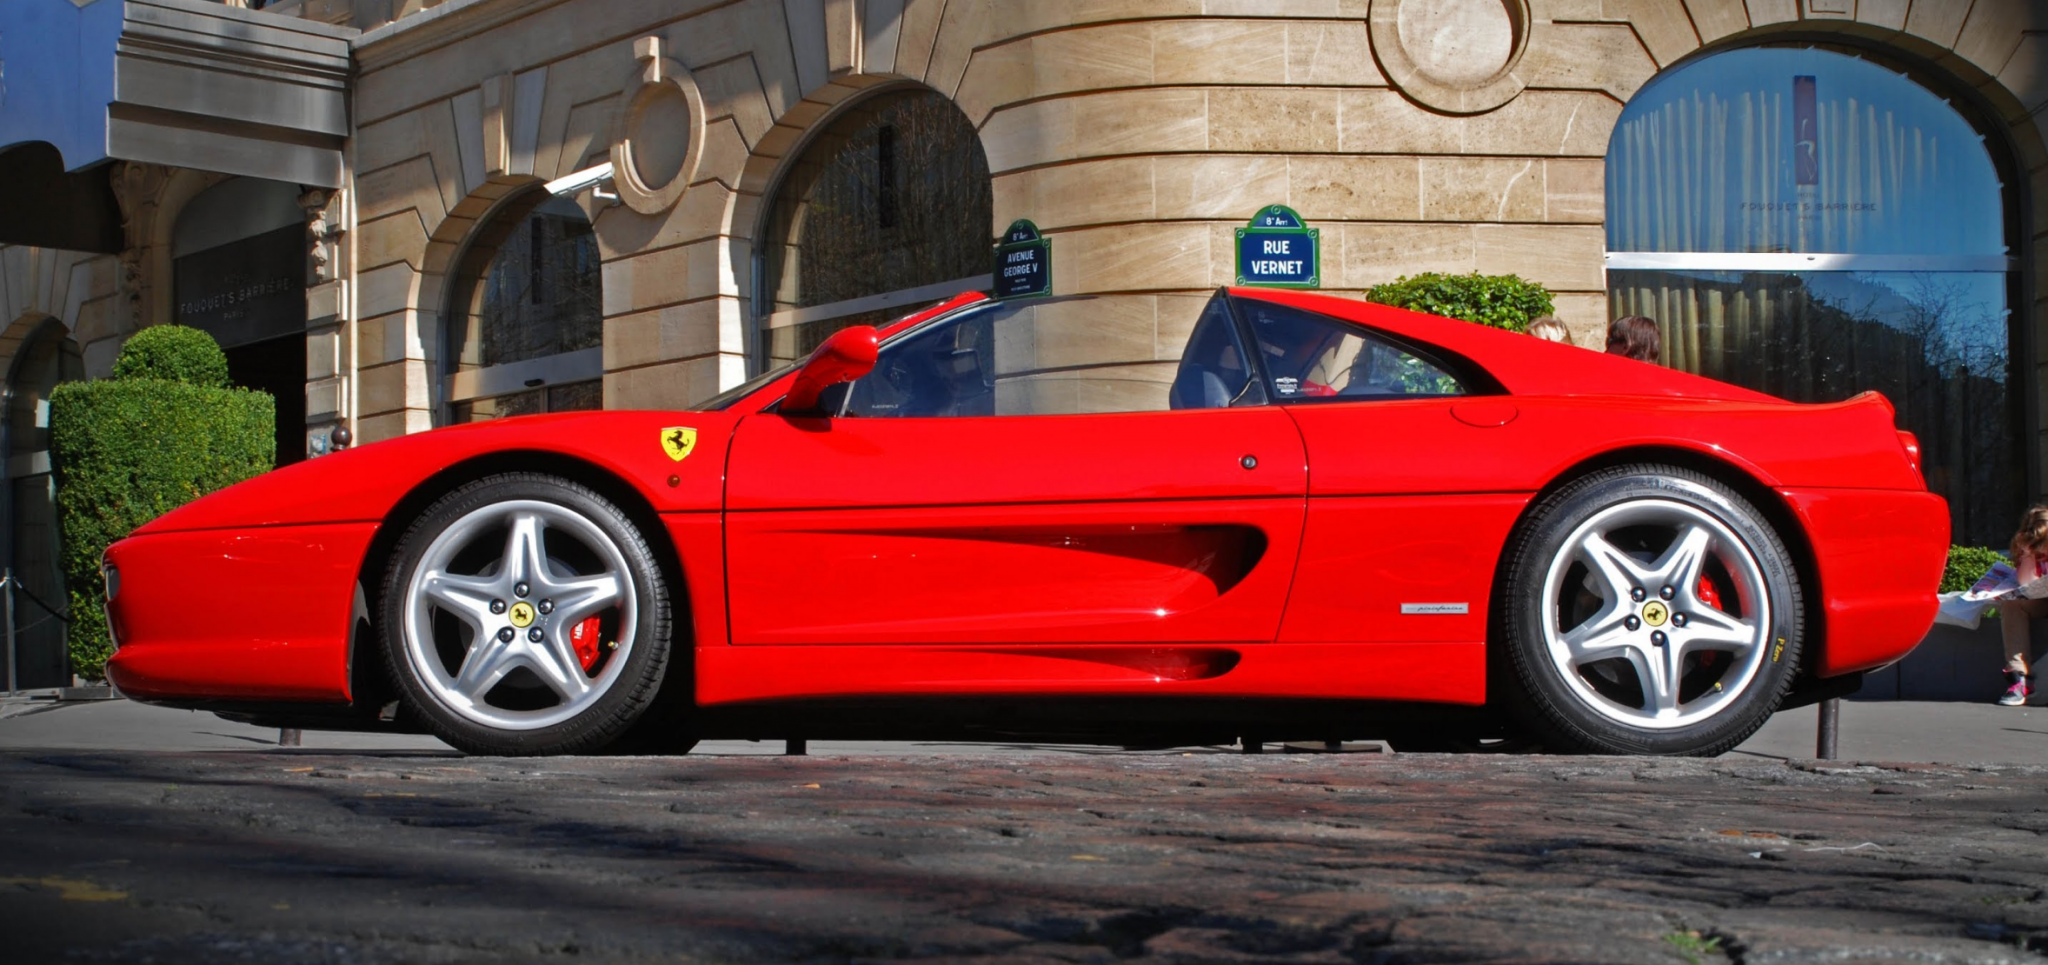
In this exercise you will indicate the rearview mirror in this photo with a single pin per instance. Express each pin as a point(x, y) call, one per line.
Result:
point(847, 355)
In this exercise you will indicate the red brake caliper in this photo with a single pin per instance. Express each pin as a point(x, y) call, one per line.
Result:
point(1711, 597)
point(584, 636)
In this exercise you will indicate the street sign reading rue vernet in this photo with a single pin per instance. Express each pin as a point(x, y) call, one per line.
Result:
point(1276, 250)
point(1023, 263)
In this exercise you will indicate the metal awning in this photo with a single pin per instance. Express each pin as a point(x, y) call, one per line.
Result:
point(185, 83)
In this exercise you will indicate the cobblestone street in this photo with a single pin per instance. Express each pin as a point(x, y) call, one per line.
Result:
point(1174, 857)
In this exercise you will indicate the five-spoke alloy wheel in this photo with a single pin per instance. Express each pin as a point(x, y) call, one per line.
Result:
point(524, 614)
point(1648, 609)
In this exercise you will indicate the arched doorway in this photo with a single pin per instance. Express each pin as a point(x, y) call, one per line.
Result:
point(1811, 224)
point(40, 657)
point(238, 266)
point(888, 205)
point(523, 332)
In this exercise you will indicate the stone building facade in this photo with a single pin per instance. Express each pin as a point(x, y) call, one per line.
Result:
point(1417, 135)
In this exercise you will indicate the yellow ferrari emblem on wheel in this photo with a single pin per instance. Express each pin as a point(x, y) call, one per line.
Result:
point(1655, 613)
point(522, 614)
point(678, 441)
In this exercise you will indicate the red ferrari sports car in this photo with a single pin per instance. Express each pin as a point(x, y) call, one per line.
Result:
point(1260, 513)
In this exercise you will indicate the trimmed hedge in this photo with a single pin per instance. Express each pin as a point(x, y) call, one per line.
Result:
point(1966, 564)
point(1496, 301)
point(129, 449)
point(173, 353)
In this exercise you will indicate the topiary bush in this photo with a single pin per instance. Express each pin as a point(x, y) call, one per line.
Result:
point(1966, 564)
point(173, 353)
point(134, 447)
point(1496, 301)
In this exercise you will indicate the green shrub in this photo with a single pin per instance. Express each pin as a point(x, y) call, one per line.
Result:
point(1965, 565)
point(1497, 301)
point(173, 353)
point(129, 449)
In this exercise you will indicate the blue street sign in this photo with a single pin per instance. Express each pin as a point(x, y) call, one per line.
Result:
point(1023, 263)
point(1278, 251)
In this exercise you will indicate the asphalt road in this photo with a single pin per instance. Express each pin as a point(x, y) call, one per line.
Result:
point(1186, 856)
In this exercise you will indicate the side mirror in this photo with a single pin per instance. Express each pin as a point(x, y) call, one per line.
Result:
point(847, 355)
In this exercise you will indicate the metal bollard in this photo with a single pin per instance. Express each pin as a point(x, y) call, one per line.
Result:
point(288, 737)
point(1830, 729)
point(796, 748)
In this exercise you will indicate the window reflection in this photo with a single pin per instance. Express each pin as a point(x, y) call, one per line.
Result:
point(893, 195)
point(528, 290)
point(1748, 153)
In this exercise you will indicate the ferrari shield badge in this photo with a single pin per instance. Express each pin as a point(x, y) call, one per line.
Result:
point(678, 441)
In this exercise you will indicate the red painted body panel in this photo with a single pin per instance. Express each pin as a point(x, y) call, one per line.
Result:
point(364, 484)
point(1420, 447)
point(237, 613)
point(1442, 672)
point(1363, 557)
point(1880, 557)
point(1196, 571)
point(700, 542)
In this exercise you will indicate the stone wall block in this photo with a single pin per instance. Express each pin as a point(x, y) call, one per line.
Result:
point(882, 25)
point(1664, 26)
point(1482, 189)
point(1311, 9)
point(1140, 257)
point(1552, 123)
point(385, 290)
point(675, 332)
point(1084, 193)
point(1080, 333)
point(1087, 58)
point(995, 76)
point(724, 159)
point(1384, 122)
point(1889, 14)
point(1220, 52)
point(733, 89)
point(1763, 12)
point(1584, 315)
point(672, 385)
point(697, 218)
point(1937, 21)
point(1335, 54)
point(588, 139)
point(1559, 257)
point(919, 29)
point(964, 27)
point(1994, 29)
point(1591, 56)
point(1354, 188)
point(844, 31)
point(1575, 190)
point(394, 239)
point(1227, 187)
point(1376, 253)
point(669, 276)
point(805, 22)
point(2026, 75)
point(392, 386)
point(391, 140)
point(1273, 119)
point(1145, 121)
point(409, 186)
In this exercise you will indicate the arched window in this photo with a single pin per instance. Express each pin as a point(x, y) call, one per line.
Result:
point(525, 324)
point(1814, 225)
point(35, 548)
point(887, 207)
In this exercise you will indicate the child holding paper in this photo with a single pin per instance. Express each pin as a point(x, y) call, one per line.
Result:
point(2029, 558)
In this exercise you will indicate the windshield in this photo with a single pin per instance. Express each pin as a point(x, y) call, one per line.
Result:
point(725, 399)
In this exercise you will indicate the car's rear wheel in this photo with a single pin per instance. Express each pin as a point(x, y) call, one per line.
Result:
point(1648, 610)
point(525, 614)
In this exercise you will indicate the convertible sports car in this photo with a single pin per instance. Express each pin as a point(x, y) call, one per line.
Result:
point(1269, 513)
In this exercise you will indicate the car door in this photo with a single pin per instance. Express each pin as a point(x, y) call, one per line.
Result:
point(1022, 474)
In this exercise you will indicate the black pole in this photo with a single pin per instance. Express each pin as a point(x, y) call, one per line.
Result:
point(1830, 729)
point(796, 748)
point(288, 737)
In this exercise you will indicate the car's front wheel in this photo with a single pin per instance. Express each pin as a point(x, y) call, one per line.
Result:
point(525, 614)
point(1648, 610)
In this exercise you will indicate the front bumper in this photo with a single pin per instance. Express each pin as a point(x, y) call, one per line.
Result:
point(258, 613)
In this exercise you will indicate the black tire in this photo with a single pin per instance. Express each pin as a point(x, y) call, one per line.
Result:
point(497, 719)
point(1586, 707)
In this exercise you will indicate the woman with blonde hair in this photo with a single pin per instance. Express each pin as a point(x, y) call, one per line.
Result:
point(1549, 329)
point(2029, 560)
